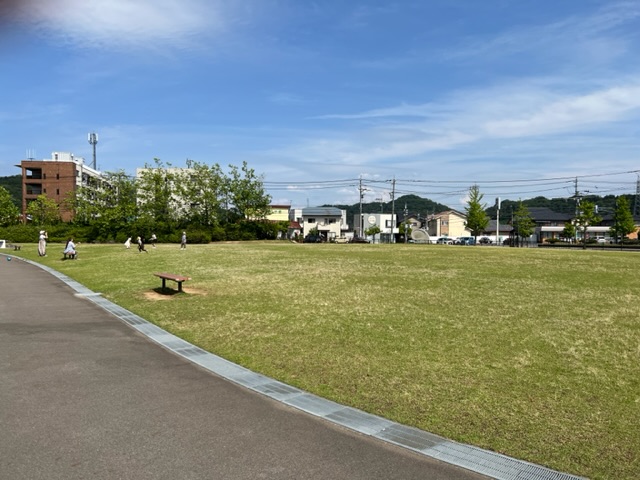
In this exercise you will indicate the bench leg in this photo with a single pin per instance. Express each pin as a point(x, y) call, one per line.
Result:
point(179, 286)
point(164, 284)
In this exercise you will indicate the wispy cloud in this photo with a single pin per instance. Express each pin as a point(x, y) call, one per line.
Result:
point(573, 33)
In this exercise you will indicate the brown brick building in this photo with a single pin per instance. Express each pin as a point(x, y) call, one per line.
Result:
point(55, 178)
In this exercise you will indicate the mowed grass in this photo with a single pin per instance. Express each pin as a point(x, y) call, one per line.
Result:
point(533, 353)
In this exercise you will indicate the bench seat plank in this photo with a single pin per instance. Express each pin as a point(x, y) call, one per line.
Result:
point(171, 276)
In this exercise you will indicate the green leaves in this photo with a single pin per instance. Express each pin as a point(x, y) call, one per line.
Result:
point(9, 213)
point(477, 218)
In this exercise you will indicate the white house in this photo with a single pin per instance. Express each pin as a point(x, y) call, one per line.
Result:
point(330, 221)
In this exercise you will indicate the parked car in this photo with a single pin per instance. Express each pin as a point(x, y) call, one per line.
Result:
point(485, 241)
point(313, 239)
point(355, 239)
point(444, 241)
point(466, 241)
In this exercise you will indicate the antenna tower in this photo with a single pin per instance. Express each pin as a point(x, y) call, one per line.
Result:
point(93, 141)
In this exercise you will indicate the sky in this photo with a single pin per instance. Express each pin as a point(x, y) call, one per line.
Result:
point(328, 99)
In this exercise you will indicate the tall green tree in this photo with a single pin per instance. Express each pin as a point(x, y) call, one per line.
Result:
point(203, 189)
point(586, 217)
point(246, 193)
point(43, 211)
point(477, 219)
point(623, 222)
point(523, 224)
point(157, 197)
point(9, 213)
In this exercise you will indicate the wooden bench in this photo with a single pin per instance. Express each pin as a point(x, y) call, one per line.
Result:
point(170, 276)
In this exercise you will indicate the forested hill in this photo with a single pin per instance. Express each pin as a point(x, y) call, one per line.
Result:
point(14, 185)
point(415, 206)
point(560, 205)
point(421, 206)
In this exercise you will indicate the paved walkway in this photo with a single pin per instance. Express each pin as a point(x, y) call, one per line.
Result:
point(90, 390)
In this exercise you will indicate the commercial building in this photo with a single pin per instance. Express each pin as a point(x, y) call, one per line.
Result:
point(56, 178)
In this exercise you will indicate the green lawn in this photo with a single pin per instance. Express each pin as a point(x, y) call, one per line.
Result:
point(529, 352)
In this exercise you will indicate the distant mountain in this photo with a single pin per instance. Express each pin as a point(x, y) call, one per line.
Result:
point(423, 206)
point(13, 184)
point(560, 205)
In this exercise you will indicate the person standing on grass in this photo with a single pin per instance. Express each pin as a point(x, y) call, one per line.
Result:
point(141, 245)
point(183, 241)
point(42, 243)
point(153, 240)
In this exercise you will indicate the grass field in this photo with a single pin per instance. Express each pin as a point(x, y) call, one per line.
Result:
point(532, 353)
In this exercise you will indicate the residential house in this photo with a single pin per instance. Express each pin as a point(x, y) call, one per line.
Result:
point(497, 236)
point(278, 213)
point(329, 221)
point(449, 223)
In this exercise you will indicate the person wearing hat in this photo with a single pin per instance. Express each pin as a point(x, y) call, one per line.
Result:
point(42, 243)
point(183, 241)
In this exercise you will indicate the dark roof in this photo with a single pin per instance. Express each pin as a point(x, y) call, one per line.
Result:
point(540, 214)
point(320, 211)
point(491, 227)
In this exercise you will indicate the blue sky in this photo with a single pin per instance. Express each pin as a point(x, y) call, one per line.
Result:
point(517, 96)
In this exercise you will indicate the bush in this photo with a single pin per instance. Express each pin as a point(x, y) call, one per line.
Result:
point(218, 234)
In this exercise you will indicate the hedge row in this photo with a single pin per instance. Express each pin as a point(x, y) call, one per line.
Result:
point(95, 234)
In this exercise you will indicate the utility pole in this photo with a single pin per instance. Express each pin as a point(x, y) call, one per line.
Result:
point(498, 221)
point(360, 223)
point(393, 210)
point(577, 196)
point(636, 203)
point(406, 223)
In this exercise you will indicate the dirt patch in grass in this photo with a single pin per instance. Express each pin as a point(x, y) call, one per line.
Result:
point(158, 294)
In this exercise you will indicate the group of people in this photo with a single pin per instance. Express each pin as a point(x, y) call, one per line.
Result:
point(141, 243)
point(69, 249)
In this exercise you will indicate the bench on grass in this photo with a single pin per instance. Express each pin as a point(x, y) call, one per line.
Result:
point(170, 276)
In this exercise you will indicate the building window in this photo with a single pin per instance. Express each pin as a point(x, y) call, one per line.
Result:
point(44, 176)
point(331, 220)
point(57, 176)
point(44, 190)
point(311, 220)
point(57, 191)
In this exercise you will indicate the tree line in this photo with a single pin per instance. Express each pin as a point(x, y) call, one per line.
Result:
point(523, 224)
point(211, 203)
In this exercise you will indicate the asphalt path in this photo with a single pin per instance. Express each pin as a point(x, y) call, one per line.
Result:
point(83, 395)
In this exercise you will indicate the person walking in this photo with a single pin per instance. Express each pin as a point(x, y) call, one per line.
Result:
point(141, 245)
point(42, 243)
point(183, 241)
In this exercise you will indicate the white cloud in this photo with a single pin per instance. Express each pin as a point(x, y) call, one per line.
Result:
point(124, 24)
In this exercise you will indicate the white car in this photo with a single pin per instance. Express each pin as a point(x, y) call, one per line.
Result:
point(444, 241)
